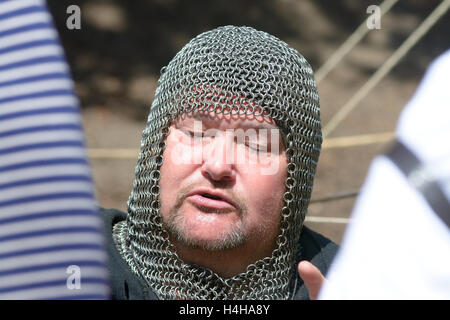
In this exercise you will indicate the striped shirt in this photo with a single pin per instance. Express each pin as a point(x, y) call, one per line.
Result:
point(51, 236)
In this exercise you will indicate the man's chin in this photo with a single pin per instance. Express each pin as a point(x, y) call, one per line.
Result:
point(194, 228)
point(209, 242)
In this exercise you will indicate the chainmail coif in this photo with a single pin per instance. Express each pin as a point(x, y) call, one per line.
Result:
point(224, 67)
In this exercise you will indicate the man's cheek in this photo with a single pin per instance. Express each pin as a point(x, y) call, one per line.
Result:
point(179, 153)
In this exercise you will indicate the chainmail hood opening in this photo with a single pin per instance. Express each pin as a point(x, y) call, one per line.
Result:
point(224, 67)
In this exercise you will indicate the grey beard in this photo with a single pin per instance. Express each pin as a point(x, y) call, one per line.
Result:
point(224, 241)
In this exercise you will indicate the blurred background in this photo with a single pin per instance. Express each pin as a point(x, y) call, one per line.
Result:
point(117, 54)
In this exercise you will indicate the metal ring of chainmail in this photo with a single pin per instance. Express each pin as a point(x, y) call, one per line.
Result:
point(227, 66)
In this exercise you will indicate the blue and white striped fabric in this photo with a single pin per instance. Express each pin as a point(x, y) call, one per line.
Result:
point(51, 237)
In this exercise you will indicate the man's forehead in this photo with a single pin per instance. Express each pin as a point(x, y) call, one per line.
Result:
point(243, 120)
point(217, 104)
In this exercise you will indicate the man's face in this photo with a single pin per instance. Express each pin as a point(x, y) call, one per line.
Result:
point(222, 182)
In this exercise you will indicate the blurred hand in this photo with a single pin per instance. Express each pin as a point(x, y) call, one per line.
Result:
point(312, 277)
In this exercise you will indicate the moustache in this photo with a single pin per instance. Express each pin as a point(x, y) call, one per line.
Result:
point(238, 202)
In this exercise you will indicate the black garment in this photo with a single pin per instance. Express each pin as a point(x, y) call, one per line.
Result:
point(125, 285)
point(409, 164)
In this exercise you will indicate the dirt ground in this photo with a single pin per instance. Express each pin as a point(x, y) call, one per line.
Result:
point(117, 54)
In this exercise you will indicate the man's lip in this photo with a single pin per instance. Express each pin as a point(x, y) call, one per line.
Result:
point(198, 197)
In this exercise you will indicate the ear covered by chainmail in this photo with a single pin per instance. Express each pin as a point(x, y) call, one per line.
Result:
point(224, 67)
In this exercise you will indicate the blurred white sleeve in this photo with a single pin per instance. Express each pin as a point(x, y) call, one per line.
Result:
point(396, 247)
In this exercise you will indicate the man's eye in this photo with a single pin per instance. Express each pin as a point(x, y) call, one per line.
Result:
point(257, 147)
point(192, 134)
point(254, 144)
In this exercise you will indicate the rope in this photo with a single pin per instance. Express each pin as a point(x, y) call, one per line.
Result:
point(336, 196)
point(351, 41)
point(113, 153)
point(437, 13)
point(336, 220)
point(359, 140)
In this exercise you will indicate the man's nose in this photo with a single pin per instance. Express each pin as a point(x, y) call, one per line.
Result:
point(217, 161)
